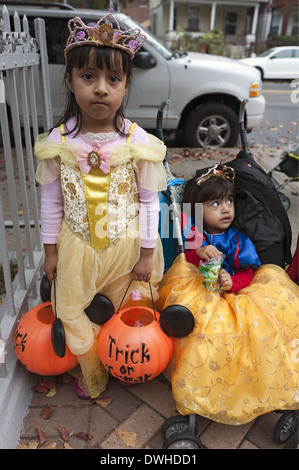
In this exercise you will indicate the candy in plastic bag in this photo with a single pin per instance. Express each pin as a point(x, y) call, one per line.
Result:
point(210, 270)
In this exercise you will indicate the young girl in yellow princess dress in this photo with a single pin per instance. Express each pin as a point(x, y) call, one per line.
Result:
point(100, 177)
point(242, 358)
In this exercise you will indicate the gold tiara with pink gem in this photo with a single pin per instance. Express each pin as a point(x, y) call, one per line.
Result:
point(220, 171)
point(103, 33)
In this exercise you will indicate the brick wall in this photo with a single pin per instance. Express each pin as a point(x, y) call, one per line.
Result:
point(138, 10)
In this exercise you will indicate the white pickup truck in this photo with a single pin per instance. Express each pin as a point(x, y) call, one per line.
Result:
point(205, 91)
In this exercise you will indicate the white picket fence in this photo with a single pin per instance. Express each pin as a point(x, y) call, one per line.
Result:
point(21, 56)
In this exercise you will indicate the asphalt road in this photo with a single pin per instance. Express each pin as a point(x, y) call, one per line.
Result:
point(279, 126)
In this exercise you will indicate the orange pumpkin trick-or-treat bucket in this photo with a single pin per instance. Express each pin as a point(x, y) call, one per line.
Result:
point(133, 347)
point(33, 345)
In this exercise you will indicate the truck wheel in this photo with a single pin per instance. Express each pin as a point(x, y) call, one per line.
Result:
point(212, 125)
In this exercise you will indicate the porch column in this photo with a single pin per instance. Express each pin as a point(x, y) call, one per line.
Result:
point(255, 18)
point(171, 15)
point(213, 15)
point(285, 20)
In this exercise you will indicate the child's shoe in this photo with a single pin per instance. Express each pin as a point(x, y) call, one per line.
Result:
point(79, 392)
point(126, 384)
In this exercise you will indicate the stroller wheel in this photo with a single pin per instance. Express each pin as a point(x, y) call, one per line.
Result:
point(284, 201)
point(285, 426)
point(177, 424)
point(183, 440)
point(293, 442)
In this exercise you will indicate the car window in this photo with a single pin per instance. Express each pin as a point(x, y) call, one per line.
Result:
point(296, 53)
point(152, 40)
point(57, 34)
point(284, 54)
point(266, 53)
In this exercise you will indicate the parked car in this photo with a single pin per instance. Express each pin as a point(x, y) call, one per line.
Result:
point(205, 91)
point(278, 62)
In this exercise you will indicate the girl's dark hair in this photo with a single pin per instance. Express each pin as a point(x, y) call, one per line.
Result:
point(213, 188)
point(81, 56)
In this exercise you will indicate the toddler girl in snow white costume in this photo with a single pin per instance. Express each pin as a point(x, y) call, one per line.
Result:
point(241, 359)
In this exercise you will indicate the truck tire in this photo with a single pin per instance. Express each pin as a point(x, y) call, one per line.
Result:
point(212, 125)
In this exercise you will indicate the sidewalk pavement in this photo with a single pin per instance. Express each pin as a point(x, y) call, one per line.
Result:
point(131, 418)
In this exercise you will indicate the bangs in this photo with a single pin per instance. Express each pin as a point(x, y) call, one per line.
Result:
point(209, 190)
point(99, 57)
point(213, 188)
point(217, 188)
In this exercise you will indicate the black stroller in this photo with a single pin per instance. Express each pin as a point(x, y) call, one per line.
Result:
point(270, 231)
point(289, 166)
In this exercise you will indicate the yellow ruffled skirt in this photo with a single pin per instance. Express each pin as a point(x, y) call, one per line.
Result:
point(82, 272)
point(242, 358)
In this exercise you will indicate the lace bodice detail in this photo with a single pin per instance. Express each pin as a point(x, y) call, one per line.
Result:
point(99, 137)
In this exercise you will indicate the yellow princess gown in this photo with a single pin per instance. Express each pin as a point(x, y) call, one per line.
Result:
point(99, 241)
point(242, 358)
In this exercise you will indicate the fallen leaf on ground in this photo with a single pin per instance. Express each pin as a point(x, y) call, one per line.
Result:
point(64, 433)
point(32, 445)
point(44, 384)
point(66, 446)
point(49, 382)
point(84, 436)
point(42, 436)
point(65, 378)
point(29, 445)
point(49, 445)
point(128, 437)
point(176, 155)
point(40, 388)
point(52, 392)
point(47, 411)
point(103, 401)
